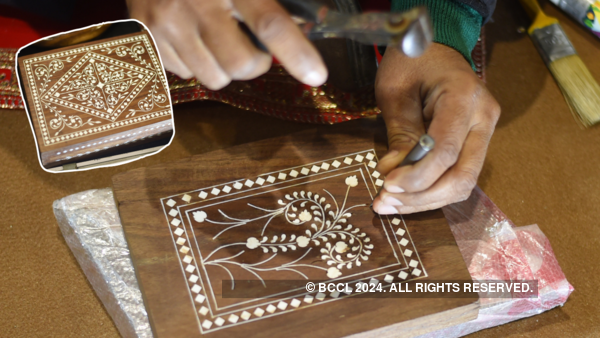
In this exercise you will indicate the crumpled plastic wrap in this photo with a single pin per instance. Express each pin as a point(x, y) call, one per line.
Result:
point(492, 247)
point(90, 223)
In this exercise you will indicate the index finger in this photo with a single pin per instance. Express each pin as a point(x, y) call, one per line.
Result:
point(275, 28)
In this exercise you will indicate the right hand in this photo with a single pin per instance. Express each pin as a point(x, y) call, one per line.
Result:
point(202, 38)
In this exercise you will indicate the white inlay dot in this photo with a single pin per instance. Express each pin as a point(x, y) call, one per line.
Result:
point(245, 315)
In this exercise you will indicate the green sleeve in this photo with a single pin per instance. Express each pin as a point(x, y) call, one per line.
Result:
point(454, 24)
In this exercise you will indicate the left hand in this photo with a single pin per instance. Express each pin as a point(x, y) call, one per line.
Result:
point(440, 89)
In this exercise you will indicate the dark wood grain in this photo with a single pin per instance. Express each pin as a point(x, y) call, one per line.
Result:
point(143, 196)
point(87, 93)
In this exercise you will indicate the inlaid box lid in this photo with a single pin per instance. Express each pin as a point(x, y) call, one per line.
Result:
point(81, 95)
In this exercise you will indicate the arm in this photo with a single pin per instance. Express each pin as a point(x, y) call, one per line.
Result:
point(439, 90)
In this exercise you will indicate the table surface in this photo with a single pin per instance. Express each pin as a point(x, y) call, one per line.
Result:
point(541, 168)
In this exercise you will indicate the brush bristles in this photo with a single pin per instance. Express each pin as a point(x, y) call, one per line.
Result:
point(581, 91)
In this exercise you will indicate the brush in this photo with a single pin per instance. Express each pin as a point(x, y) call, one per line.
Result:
point(579, 88)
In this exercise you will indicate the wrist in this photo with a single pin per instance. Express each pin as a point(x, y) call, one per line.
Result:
point(454, 24)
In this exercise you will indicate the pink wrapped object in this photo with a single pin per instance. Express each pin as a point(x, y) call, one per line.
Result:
point(494, 249)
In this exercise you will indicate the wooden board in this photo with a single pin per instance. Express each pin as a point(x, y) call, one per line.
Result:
point(287, 209)
point(79, 97)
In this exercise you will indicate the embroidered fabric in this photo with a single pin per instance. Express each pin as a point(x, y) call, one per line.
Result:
point(275, 93)
point(491, 245)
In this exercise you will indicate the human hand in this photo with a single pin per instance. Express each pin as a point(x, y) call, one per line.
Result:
point(202, 38)
point(440, 89)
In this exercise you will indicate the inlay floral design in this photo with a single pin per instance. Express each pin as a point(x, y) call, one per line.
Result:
point(341, 245)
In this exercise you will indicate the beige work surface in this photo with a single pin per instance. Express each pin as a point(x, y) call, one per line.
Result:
point(541, 168)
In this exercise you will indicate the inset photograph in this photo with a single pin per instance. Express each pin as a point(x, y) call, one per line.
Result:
point(96, 96)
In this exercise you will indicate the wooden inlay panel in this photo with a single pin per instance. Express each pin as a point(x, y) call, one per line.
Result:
point(277, 222)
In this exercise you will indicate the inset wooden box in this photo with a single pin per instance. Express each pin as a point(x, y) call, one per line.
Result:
point(96, 99)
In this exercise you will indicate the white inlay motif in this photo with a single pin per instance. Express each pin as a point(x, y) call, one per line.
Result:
point(271, 179)
point(203, 310)
point(259, 312)
point(271, 308)
point(305, 171)
point(245, 315)
point(227, 188)
point(219, 321)
point(282, 176)
point(336, 163)
point(260, 181)
point(293, 173)
point(298, 209)
point(171, 203)
point(186, 198)
point(215, 191)
point(233, 318)
point(238, 185)
point(202, 195)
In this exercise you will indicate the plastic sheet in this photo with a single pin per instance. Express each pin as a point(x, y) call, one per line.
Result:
point(492, 247)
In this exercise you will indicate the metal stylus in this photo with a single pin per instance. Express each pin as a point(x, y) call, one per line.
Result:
point(419, 151)
point(425, 145)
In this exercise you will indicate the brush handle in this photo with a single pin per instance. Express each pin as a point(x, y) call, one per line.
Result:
point(540, 19)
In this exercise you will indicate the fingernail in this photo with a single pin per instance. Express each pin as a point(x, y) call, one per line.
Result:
point(385, 209)
point(394, 189)
point(314, 78)
point(391, 201)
